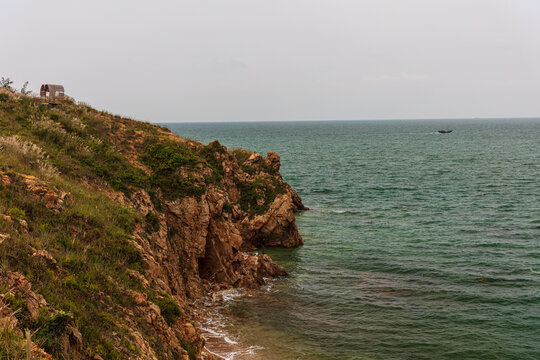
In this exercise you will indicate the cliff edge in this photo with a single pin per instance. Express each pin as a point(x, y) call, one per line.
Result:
point(110, 228)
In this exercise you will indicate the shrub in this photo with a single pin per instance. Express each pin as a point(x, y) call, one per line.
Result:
point(210, 153)
point(252, 192)
point(24, 91)
point(169, 309)
point(170, 163)
point(227, 208)
point(52, 328)
point(152, 222)
point(6, 83)
point(241, 155)
point(167, 157)
point(192, 352)
point(17, 213)
point(108, 164)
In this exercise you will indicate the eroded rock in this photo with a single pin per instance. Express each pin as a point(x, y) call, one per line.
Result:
point(17, 285)
point(4, 237)
point(53, 198)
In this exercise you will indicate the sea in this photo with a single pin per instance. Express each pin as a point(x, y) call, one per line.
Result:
point(418, 245)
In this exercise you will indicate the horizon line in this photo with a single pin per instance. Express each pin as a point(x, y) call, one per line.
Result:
point(330, 120)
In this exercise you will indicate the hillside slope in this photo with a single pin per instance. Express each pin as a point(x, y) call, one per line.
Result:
point(110, 228)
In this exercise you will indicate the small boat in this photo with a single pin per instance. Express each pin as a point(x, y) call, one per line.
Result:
point(445, 131)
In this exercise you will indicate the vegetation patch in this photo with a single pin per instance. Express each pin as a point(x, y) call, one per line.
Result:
point(107, 164)
point(51, 328)
point(90, 240)
point(256, 196)
point(211, 153)
point(16, 213)
point(192, 352)
point(174, 166)
point(16, 303)
point(152, 222)
point(227, 208)
point(241, 155)
point(12, 344)
point(169, 309)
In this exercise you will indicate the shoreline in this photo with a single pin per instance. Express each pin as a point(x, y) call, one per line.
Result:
point(219, 343)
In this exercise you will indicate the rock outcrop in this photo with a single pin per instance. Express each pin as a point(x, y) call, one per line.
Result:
point(52, 197)
point(200, 244)
point(111, 229)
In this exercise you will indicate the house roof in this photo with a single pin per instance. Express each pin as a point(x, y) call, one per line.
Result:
point(52, 87)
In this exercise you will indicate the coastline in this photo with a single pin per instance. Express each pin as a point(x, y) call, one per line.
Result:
point(211, 322)
point(396, 266)
point(154, 222)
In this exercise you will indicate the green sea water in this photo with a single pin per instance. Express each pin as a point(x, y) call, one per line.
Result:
point(418, 245)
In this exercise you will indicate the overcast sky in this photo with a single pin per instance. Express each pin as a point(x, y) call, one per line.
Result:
point(237, 60)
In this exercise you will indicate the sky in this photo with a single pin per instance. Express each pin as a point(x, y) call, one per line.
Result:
point(255, 60)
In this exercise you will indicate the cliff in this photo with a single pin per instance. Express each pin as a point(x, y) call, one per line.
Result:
point(110, 228)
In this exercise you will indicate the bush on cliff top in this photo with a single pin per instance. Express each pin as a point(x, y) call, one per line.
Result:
point(253, 192)
point(174, 163)
point(241, 155)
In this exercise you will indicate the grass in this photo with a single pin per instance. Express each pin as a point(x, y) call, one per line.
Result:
point(51, 328)
point(12, 345)
point(90, 238)
point(168, 307)
point(192, 353)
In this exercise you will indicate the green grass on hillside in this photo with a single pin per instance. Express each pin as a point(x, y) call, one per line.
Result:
point(90, 238)
point(91, 242)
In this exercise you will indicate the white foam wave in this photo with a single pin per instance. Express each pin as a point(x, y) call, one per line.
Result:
point(220, 344)
point(249, 351)
point(218, 341)
point(209, 333)
point(230, 295)
point(345, 211)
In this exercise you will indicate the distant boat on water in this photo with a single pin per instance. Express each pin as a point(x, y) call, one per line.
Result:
point(445, 131)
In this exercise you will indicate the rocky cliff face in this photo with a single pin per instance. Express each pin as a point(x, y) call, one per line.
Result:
point(105, 249)
point(206, 238)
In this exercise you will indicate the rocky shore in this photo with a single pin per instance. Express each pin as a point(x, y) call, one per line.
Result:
point(201, 247)
point(180, 220)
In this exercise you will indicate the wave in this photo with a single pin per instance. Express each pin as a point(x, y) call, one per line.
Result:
point(319, 191)
point(214, 326)
point(347, 211)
